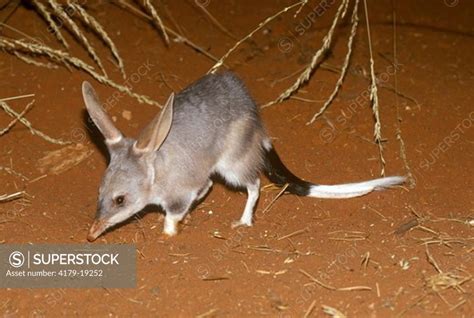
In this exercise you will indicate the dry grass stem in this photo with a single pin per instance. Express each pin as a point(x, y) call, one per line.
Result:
point(427, 229)
point(462, 220)
point(14, 121)
point(211, 279)
point(49, 19)
point(97, 27)
point(314, 280)
point(403, 154)
point(333, 312)
point(348, 232)
point(77, 32)
point(28, 125)
point(62, 57)
point(374, 96)
point(30, 61)
point(267, 208)
point(215, 21)
point(293, 234)
point(264, 248)
point(156, 19)
point(303, 3)
point(278, 80)
point(8, 8)
point(354, 288)
point(6, 99)
point(304, 77)
point(270, 187)
point(384, 218)
point(21, 33)
point(390, 88)
point(11, 197)
point(445, 240)
point(416, 213)
point(209, 313)
point(306, 99)
point(355, 23)
point(261, 25)
point(310, 309)
point(413, 305)
point(366, 260)
point(178, 37)
point(444, 280)
point(351, 237)
point(351, 288)
point(14, 173)
point(173, 20)
point(459, 304)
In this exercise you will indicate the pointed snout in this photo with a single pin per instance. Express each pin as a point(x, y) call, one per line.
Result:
point(98, 227)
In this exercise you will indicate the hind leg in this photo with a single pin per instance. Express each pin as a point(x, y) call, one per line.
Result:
point(253, 190)
point(171, 223)
point(202, 193)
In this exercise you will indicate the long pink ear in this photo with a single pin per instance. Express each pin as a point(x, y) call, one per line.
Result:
point(101, 120)
point(153, 135)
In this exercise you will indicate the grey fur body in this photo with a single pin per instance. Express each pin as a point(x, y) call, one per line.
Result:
point(211, 127)
point(216, 129)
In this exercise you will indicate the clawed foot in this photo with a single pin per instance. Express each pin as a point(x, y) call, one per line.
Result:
point(163, 237)
point(240, 223)
point(171, 228)
point(169, 234)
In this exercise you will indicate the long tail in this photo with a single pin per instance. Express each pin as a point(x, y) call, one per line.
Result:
point(280, 175)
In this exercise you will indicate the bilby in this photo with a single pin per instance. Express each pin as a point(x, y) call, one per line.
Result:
point(212, 127)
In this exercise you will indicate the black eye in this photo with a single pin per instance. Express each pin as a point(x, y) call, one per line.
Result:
point(120, 200)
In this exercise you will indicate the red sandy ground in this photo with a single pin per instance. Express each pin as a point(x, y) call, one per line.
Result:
point(251, 272)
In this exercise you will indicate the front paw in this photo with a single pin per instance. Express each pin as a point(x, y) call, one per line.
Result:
point(170, 232)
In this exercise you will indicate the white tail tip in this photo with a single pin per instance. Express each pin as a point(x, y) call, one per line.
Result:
point(351, 190)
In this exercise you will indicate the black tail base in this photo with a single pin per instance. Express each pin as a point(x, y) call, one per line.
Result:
point(279, 174)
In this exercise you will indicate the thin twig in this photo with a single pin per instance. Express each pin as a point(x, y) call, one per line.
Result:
point(29, 60)
point(178, 37)
point(10, 197)
point(333, 312)
point(77, 32)
point(14, 121)
point(33, 39)
point(304, 77)
point(374, 96)
point(293, 234)
point(49, 19)
point(97, 27)
point(215, 21)
point(303, 3)
point(6, 99)
point(8, 9)
point(28, 125)
point(403, 154)
point(267, 208)
point(351, 288)
point(310, 309)
point(261, 25)
point(355, 23)
point(156, 19)
point(432, 261)
point(59, 56)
